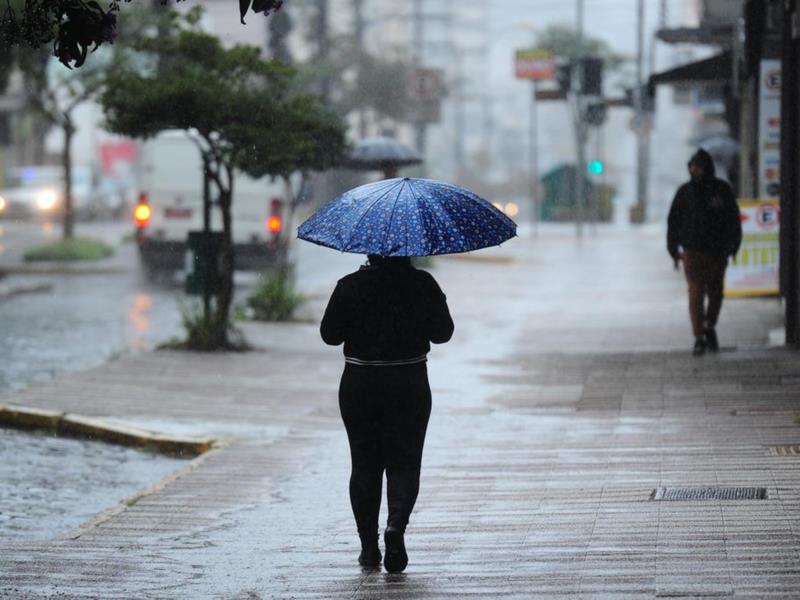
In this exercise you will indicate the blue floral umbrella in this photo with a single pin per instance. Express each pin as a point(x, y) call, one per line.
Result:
point(407, 217)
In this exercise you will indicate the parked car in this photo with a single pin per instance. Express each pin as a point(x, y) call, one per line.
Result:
point(171, 205)
point(36, 192)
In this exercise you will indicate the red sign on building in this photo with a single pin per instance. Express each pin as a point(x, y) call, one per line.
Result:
point(533, 64)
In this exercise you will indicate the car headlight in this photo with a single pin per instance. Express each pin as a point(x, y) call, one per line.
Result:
point(46, 199)
point(3, 204)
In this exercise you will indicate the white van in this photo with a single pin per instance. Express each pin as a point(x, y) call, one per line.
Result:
point(171, 204)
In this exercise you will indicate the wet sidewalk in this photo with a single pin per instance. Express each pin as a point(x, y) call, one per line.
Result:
point(566, 400)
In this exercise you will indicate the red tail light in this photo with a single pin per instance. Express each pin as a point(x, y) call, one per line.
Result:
point(142, 212)
point(275, 220)
point(274, 224)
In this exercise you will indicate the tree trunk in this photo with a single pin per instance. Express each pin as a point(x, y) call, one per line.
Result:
point(69, 216)
point(225, 294)
point(285, 237)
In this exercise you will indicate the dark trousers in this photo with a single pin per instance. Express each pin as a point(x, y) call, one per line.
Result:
point(385, 412)
point(705, 276)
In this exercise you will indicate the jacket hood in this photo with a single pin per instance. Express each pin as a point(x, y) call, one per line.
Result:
point(704, 160)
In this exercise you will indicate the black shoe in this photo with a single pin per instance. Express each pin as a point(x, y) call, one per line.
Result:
point(711, 340)
point(370, 552)
point(396, 558)
point(699, 346)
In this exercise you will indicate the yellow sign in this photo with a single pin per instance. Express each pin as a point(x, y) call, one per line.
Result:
point(755, 271)
point(533, 64)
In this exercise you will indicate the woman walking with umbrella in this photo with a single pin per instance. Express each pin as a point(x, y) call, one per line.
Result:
point(387, 314)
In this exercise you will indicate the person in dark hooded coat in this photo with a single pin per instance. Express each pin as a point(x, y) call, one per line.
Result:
point(387, 314)
point(703, 229)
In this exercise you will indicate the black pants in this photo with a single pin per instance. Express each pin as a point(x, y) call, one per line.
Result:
point(385, 412)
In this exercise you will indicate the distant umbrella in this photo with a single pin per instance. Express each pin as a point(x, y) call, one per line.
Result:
point(407, 217)
point(382, 153)
point(721, 147)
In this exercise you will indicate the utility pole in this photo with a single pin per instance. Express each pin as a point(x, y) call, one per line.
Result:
point(418, 45)
point(580, 126)
point(359, 24)
point(358, 35)
point(642, 120)
point(321, 31)
point(533, 132)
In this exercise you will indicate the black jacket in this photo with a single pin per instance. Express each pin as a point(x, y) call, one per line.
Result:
point(704, 215)
point(387, 312)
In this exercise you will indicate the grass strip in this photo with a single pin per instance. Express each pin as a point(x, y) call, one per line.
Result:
point(73, 249)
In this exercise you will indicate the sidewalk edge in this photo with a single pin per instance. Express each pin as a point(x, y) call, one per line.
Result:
point(130, 501)
point(92, 428)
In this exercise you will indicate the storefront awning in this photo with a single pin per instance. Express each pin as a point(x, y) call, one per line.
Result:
point(718, 35)
point(718, 69)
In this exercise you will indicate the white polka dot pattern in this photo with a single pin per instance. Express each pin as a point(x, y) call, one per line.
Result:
point(408, 217)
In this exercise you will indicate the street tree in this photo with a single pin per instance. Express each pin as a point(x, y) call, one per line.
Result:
point(55, 94)
point(77, 27)
point(232, 103)
point(298, 137)
point(360, 81)
point(562, 42)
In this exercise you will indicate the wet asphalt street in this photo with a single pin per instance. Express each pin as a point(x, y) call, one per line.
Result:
point(83, 320)
point(49, 485)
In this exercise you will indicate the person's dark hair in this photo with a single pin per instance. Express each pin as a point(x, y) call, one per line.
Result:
point(376, 260)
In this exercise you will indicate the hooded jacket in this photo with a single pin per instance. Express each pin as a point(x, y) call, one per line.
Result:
point(387, 311)
point(704, 215)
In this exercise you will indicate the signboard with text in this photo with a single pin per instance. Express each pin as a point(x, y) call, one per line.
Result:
point(534, 64)
point(425, 88)
point(755, 270)
point(769, 129)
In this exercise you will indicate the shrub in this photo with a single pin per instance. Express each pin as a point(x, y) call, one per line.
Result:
point(201, 332)
point(274, 299)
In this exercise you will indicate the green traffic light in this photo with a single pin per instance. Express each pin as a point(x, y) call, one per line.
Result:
point(595, 167)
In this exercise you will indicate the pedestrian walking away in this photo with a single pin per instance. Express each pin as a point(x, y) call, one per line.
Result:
point(387, 314)
point(704, 229)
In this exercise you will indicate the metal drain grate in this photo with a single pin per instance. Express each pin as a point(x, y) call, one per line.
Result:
point(784, 450)
point(708, 493)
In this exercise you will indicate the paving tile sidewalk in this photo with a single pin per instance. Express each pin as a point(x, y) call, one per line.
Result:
point(567, 396)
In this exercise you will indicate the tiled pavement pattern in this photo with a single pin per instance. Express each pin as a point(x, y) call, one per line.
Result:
point(567, 396)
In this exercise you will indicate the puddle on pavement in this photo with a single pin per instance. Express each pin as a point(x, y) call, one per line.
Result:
point(51, 485)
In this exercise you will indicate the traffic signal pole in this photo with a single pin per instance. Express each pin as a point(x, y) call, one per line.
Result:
point(534, 158)
point(580, 126)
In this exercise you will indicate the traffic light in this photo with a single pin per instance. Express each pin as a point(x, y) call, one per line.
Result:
point(595, 167)
point(648, 98)
point(591, 73)
point(564, 77)
point(595, 114)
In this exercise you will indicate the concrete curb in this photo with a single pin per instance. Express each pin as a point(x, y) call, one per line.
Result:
point(7, 291)
point(60, 269)
point(91, 428)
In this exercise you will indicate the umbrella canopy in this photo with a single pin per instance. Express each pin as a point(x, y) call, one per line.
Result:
point(382, 152)
point(407, 217)
point(720, 147)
